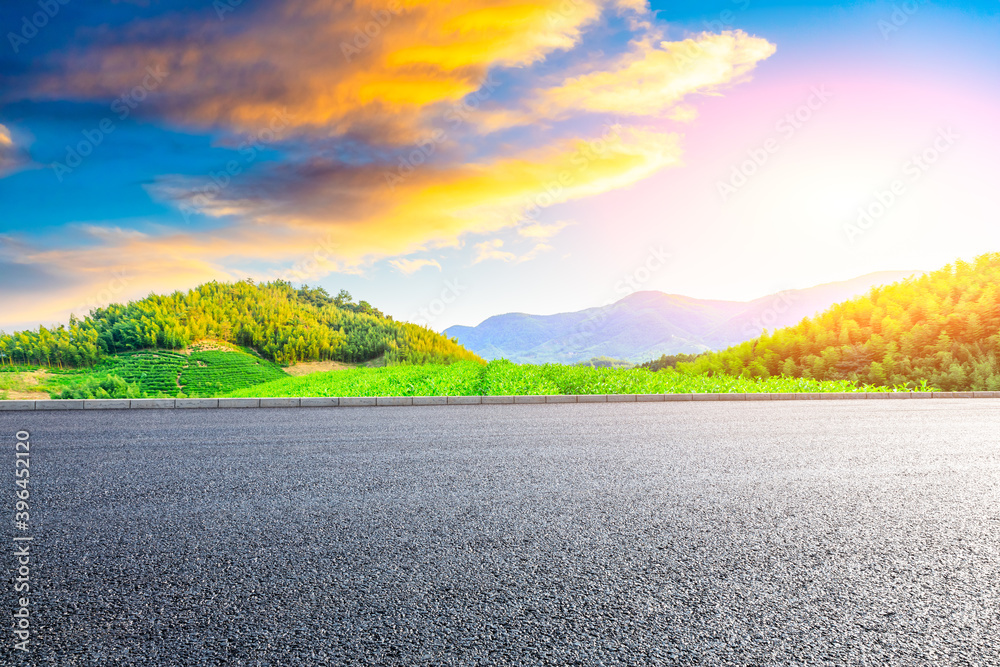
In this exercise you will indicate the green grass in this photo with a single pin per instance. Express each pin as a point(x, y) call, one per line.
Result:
point(208, 373)
point(165, 373)
point(501, 378)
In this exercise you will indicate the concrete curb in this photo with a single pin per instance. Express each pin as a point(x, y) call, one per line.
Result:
point(197, 403)
point(158, 403)
point(358, 401)
point(435, 400)
point(369, 401)
point(318, 402)
point(239, 402)
point(106, 404)
point(280, 402)
point(487, 400)
point(394, 400)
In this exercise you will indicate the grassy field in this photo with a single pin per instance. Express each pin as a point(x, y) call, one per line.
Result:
point(500, 378)
point(153, 373)
point(216, 372)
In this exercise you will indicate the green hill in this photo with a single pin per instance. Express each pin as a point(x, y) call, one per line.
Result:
point(281, 323)
point(942, 328)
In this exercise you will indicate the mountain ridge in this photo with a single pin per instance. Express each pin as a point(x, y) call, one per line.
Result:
point(647, 324)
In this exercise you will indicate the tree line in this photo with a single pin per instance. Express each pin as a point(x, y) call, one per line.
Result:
point(942, 327)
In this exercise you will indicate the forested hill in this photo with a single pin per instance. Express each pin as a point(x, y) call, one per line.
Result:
point(943, 327)
point(278, 321)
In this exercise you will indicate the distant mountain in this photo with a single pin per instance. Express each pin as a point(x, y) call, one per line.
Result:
point(645, 325)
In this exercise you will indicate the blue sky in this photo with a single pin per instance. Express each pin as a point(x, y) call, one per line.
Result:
point(650, 112)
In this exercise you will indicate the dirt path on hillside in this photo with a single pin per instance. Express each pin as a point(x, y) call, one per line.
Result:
point(307, 367)
point(22, 387)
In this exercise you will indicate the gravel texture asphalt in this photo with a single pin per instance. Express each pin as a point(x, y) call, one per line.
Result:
point(818, 533)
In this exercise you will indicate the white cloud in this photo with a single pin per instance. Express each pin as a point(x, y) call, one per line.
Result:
point(410, 266)
point(493, 250)
point(538, 230)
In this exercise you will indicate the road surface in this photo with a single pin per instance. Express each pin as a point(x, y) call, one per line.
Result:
point(819, 533)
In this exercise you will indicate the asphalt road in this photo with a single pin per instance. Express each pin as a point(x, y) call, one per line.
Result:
point(799, 532)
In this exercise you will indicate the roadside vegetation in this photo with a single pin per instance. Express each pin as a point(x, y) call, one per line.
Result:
point(501, 378)
point(940, 331)
point(606, 362)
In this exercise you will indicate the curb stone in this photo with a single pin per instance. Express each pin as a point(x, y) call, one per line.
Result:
point(106, 404)
point(152, 403)
point(358, 401)
point(197, 403)
point(394, 400)
point(319, 402)
point(465, 400)
point(494, 400)
point(438, 400)
point(239, 402)
point(17, 405)
point(368, 401)
point(55, 404)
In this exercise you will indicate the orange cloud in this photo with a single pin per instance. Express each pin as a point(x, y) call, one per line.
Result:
point(434, 208)
point(436, 205)
point(372, 67)
point(382, 72)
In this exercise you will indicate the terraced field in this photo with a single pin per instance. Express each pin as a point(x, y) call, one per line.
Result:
point(212, 372)
point(168, 373)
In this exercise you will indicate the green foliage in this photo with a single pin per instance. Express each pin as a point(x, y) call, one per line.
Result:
point(941, 329)
point(503, 378)
point(105, 386)
point(283, 324)
point(668, 361)
point(606, 362)
point(17, 368)
point(458, 379)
